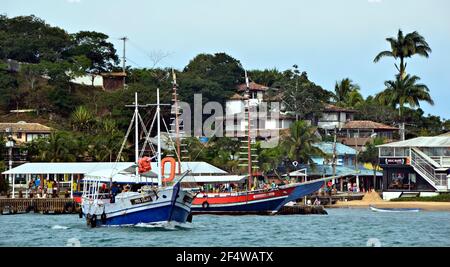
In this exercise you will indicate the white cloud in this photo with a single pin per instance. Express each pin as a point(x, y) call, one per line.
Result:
point(73, 1)
point(374, 1)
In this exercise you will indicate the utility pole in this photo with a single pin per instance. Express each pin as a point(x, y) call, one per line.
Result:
point(124, 59)
point(334, 159)
point(402, 131)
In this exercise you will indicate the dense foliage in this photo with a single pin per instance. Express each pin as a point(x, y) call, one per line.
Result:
point(90, 122)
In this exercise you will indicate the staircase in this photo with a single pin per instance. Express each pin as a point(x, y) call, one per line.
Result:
point(426, 167)
point(244, 156)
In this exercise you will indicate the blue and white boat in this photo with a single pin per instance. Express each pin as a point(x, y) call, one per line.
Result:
point(372, 208)
point(145, 199)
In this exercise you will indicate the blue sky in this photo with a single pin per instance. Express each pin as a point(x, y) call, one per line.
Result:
point(330, 39)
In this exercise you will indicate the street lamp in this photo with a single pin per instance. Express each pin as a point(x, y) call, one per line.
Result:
point(10, 145)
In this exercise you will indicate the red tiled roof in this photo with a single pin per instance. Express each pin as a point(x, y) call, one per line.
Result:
point(333, 108)
point(367, 125)
point(252, 86)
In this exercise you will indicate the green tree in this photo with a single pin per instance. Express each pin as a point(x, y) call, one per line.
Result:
point(300, 95)
point(82, 119)
point(346, 93)
point(403, 47)
point(8, 91)
point(270, 159)
point(404, 91)
point(370, 155)
point(3, 181)
point(299, 145)
point(214, 76)
point(107, 141)
point(95, 47)
point(58, 147)
point(30, 39)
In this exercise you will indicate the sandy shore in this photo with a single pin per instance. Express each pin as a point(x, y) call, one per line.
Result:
point(435, 206)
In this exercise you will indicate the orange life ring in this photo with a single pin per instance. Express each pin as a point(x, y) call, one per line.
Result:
point(172, 169)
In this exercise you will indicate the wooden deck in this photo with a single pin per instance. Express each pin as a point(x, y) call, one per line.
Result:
point(37, 205)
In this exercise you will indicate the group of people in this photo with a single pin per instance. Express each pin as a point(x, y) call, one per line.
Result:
point(45, 188)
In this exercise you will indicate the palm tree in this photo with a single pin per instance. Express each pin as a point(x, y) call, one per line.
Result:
point(404, 47)
point(370, 155)
point(58, 147)
point(299, 145)
point(346, 93)
point(404, 91)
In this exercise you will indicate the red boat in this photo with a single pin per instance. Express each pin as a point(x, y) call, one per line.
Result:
point(253, 202)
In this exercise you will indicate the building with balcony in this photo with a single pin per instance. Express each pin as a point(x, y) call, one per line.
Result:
point(419, 166)
point(334, 117)
point(357, 134)
point(263, 123)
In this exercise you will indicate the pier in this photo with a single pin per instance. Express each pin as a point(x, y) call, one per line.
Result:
point(302, 209)
point(36, 205)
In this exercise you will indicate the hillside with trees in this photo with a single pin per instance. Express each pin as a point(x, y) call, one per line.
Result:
point(90, 122)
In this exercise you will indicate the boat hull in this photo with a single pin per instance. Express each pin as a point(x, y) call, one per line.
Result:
point(253, 202)
point(392, 210)
point(171, 205)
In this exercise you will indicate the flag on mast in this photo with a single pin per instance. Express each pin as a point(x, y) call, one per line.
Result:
point(174, 77)
point(246, 80)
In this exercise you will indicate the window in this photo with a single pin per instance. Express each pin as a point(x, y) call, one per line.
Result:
point(19, 135)
point(386, 151)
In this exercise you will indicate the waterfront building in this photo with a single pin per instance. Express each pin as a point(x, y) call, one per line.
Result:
point(419, 166)
point(71, 173)
point(362, 175)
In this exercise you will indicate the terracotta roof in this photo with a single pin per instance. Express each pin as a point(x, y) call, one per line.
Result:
point(114, 74)
point(333, 108)
point(367, 125)
point(238, 97)
point(24, 127)
point(252, 86)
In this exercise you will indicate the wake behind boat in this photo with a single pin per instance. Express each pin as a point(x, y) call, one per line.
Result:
point(372, 208)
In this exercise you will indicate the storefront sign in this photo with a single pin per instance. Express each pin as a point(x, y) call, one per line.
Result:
point(393, 161)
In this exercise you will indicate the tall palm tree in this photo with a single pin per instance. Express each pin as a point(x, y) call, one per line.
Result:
point(405, 91)
point(299, 145)
point(344, 89)
point(405, 46)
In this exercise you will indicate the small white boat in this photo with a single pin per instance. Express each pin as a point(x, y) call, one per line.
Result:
point(372, 208)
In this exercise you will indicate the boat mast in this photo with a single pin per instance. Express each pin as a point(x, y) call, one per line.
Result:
point(158, 109)
point(249, 149)
point(136, 133)
point(177, 124)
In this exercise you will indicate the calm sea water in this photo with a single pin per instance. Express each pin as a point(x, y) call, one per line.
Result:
point(342, 227)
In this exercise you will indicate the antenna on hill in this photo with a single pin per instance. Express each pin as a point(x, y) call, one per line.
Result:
point(124, 60)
